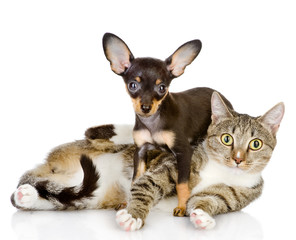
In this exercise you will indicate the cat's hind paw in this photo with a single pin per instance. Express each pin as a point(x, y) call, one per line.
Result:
point(202, 220)
point(24, 197)
point(127, 222)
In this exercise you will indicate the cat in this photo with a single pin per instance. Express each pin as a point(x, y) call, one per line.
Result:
point(93, 173)
point(225, 171)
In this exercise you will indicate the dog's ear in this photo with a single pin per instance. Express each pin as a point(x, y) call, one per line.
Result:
point(117, 53)
point(182, 57)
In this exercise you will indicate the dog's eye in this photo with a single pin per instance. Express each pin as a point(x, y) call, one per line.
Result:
point(132, 86)
point(162, 89)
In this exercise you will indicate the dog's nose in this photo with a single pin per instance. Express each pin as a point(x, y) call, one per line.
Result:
point(146, 108)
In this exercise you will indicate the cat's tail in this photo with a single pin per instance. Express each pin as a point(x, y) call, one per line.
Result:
point(116, 133)
point(68, 195)
point(46, 194)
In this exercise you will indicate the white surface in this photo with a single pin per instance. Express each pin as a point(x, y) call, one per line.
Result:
point(56, 82)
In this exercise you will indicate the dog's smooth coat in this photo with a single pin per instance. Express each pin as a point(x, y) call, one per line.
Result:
point(174, 120)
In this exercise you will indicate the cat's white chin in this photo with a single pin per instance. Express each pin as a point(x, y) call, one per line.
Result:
point(236, 170)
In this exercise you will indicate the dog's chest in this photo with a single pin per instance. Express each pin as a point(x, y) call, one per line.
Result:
point(153, 133)
point(161, 137)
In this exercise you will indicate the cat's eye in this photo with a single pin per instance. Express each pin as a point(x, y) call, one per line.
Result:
point(255, 144)
point(227, 139)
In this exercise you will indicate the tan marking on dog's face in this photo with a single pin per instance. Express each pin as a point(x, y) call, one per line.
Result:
point(158, 81)
point(154, 107)
point(138, 79)
point(165, 137)
point(137, 105)
point(142, 136)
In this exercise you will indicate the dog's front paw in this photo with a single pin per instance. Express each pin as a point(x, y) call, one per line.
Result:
point(24, 197)
point(120, 206)
point(179, 212)
point(202, 220)
point(127, 222)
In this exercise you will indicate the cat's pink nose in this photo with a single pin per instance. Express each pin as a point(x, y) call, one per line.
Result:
point(238, 160)
point(238, 156)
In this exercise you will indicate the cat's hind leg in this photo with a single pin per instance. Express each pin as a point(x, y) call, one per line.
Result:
point(26, 197)
point(42, 193)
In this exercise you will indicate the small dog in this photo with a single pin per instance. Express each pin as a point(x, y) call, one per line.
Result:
point(177, 121)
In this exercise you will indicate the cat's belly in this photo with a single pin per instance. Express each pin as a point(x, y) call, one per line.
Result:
point(216, 173)
point(111, 170)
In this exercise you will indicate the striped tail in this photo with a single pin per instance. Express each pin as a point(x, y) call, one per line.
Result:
point(70, 196)
point(116, 133)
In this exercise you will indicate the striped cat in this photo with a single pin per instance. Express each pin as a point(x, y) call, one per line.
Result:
point(225, 172)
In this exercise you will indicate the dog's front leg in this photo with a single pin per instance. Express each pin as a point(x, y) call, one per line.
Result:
point(183, 153)
point(140, 159)
point(143, 141)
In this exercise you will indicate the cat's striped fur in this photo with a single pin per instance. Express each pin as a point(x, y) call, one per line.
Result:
point(218, 184)
point(47, 185)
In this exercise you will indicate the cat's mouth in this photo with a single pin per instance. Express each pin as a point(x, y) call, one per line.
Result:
point(236, 169)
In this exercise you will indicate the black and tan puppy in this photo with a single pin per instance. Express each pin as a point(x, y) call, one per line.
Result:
point(174, 120)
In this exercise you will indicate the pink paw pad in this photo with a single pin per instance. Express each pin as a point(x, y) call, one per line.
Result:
point(202, 220)
point(128, 228)
point(127, 222)
point(198, 221)
point(19, 195)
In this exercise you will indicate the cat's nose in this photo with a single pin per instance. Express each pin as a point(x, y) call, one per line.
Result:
point(238, 156)
point(238, 160)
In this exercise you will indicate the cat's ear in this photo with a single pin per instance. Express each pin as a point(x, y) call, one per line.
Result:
point(117, 53)
point(220, 111)
point(182, 57)
point(272, 119)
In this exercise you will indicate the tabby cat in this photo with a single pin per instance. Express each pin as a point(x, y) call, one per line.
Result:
point(225, 172)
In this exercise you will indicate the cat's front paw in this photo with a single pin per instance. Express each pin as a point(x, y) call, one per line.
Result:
point(202, 220)
point(127, 222)
point(24, 197)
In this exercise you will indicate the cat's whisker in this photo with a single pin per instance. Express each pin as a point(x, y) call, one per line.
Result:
point(257, 166)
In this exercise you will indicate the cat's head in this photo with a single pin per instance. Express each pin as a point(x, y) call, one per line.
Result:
point(240, 141)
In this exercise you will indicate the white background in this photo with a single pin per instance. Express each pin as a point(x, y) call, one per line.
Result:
point(56, 82)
